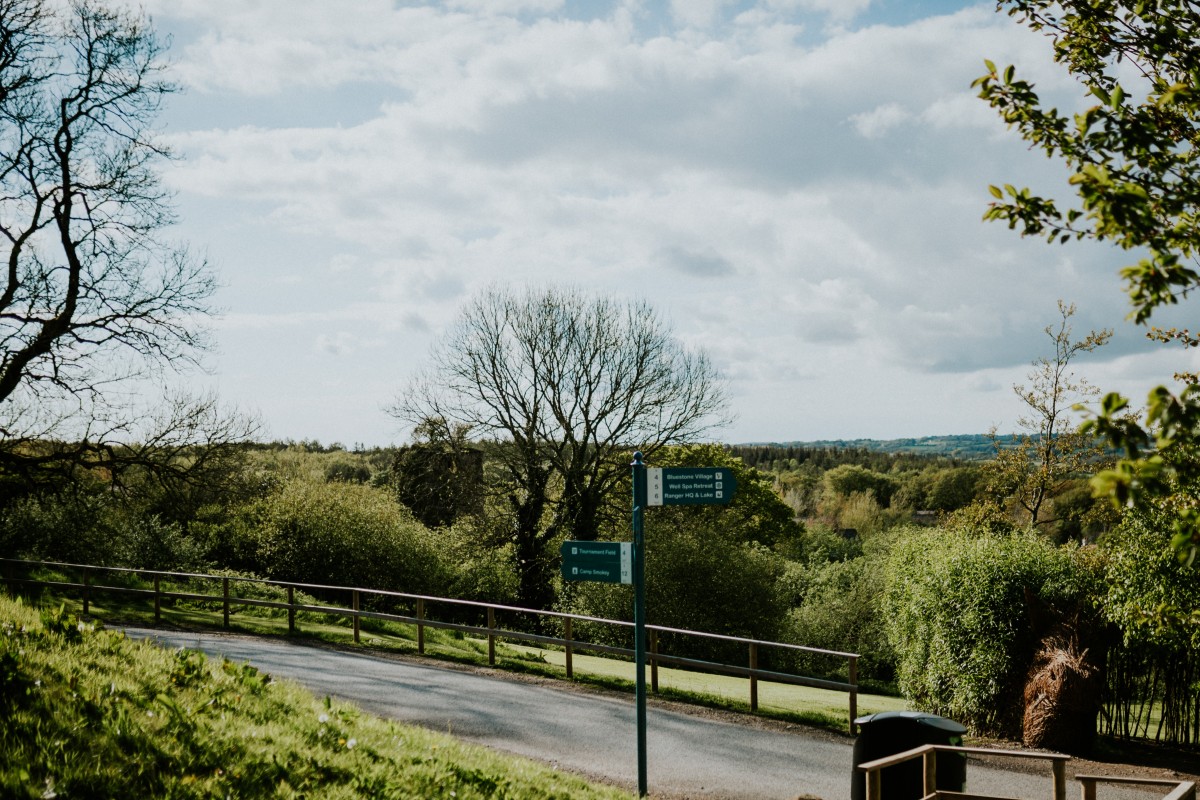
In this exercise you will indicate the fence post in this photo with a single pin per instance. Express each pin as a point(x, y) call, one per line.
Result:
point(157, 602)
point(930, 759)
point(654, 661)
point(567, 636)
point(1089, 788)
point(491, 636)
point(85, 590)
point(354, 608)
point(1059, 768)
point(420, 627)
point(225, 595)
point(291, 609)
point(853, 675)
point(753, 676)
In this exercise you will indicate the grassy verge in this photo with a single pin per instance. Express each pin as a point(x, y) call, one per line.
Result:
point(88, 713)
point(805, 705)
point(822, 707)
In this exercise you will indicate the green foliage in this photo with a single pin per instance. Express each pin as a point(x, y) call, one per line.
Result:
point(755, 514)
point(1160, 472)
point(861, 489)
point(95, 715)
point(341, 534)
point(952, 488)
point(880, 455)
point(481, 567)
point(800, 488)
point(859, 513)
point(705, 582)
point(440, 476)
point(850, 479)
point(67, 527)
point(957, 614)
point(347, 472)
point(1150, 596)
point(1133, 167)
point(1134, 182)
point(839, 608)
point(699, 578)
point(95, 527)
point(709, 568)
point(822, 543)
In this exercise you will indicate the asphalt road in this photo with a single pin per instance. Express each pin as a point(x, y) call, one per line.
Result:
point(689, 755)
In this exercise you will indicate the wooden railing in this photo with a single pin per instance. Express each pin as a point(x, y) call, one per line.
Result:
point(87, 586)
point(928, 753)
point(1180, 790)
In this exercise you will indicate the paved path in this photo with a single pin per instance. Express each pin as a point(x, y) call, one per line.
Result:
point(689, 755)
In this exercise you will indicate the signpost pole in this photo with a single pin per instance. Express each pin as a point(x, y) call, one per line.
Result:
point(639, 613)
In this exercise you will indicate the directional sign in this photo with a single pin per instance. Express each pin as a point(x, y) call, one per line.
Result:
point(689, 486)
point(606, 562)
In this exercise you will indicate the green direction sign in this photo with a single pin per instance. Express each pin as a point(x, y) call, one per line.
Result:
point(689, 486)
point(606, 562)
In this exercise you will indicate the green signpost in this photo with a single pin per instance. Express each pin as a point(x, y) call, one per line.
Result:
point(689, 486)
point(666, 486)
point(625, 562)
point(607, 562)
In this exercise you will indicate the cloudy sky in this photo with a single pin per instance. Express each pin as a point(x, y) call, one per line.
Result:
point(797, 185)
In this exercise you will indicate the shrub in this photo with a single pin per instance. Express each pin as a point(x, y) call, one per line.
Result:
point(95, 528)
point(957, 614)
point(342, 534)
point(839, 609)
point(1155, 669)
point(482, 568)
point(698, 578)
point(848, 479)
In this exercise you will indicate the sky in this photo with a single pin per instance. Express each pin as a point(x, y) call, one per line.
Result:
point(797, 186)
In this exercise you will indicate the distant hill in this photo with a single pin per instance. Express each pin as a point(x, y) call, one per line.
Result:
point(964, 447)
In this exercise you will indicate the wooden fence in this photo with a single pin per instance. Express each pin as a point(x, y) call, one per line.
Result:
point(89, 581)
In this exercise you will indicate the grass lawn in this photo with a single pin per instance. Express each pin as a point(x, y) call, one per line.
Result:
point(774, 699)
point(89, 713)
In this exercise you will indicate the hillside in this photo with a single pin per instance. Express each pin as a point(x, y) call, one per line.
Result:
point(89, 713)
point(961, 447)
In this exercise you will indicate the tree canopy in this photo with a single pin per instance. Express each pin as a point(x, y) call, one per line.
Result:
point(564, 386)
point(1135, 172)
point(92, 292)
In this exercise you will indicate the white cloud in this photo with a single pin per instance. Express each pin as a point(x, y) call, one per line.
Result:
point(801, 200)
point(879, 121)
point(839, 10)
point(506, 7)
point(696, 13)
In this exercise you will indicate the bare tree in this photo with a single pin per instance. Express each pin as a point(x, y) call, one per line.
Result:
point(1052, 449)
point(565, 386)
point(92, 294)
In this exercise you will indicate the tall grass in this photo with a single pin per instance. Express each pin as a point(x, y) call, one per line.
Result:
point(88, 713)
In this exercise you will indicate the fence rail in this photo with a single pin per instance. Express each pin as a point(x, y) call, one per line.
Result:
point(1178, 789)
point(87, 587)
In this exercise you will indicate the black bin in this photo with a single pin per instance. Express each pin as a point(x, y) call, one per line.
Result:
point(890, 732)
